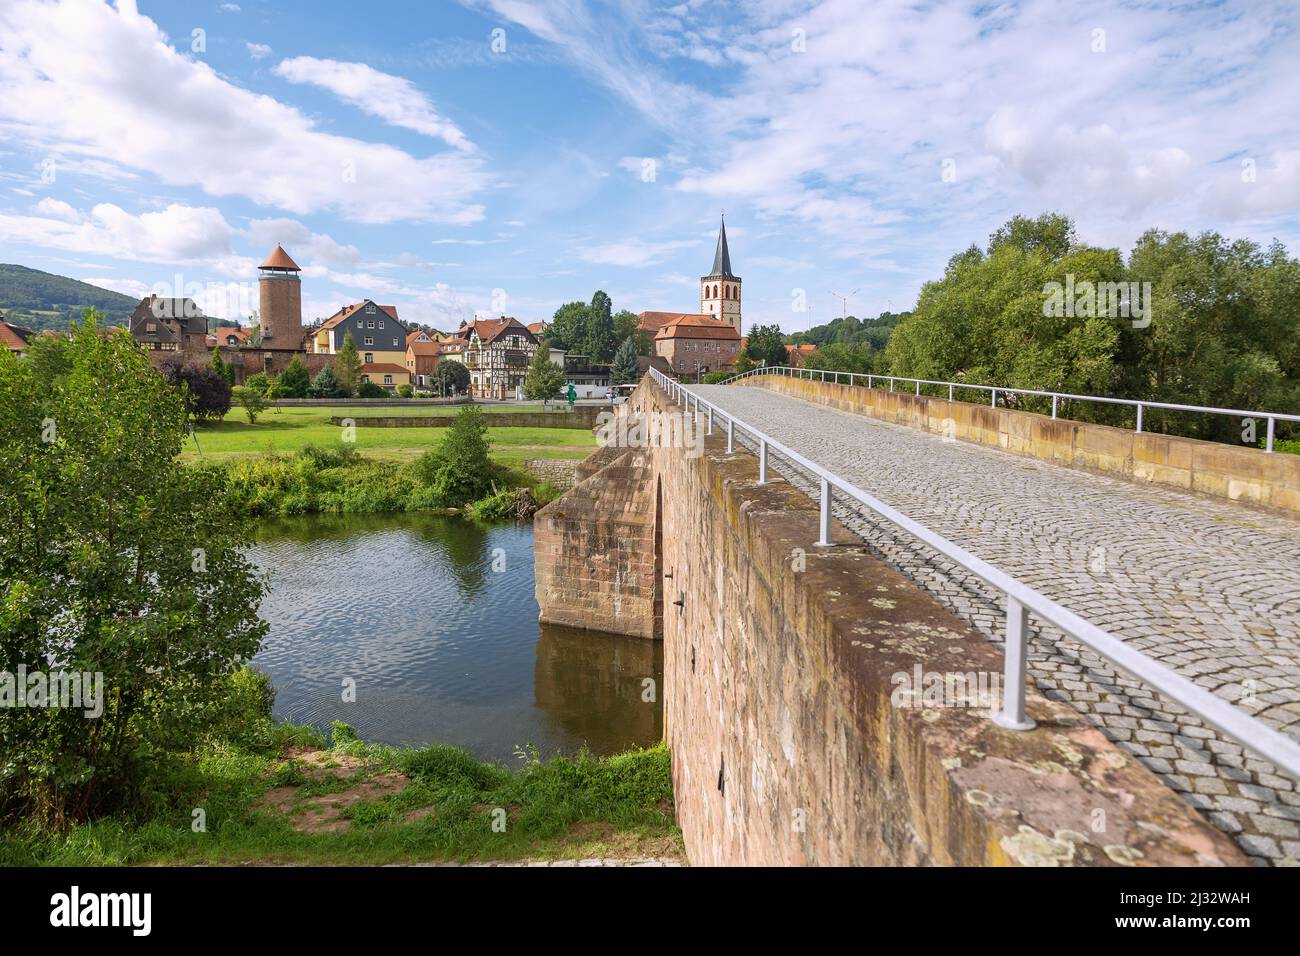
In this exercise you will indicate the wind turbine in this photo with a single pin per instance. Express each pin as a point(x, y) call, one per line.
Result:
point(844, 302)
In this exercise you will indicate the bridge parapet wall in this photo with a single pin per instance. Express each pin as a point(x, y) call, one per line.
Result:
point(790, 741)
point(1244, 474)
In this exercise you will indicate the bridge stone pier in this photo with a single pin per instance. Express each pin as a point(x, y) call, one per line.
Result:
point(789, 672)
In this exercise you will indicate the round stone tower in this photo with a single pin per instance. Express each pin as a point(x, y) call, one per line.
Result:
point(279, 300)
point(720, 290)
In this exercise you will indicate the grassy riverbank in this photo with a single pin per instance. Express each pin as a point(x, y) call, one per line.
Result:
point(290, 430)
point(260, 792)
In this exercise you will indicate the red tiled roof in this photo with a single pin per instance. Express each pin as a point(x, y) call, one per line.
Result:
point(423, 347)
point(654, 321)
point(14, 337)
point(384, 367)
point(279, 259)
point(490, 329)
point(688, 326)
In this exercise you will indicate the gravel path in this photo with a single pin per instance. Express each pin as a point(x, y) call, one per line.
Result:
point(1210, 588)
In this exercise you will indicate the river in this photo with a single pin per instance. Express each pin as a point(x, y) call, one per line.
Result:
point(435, 621)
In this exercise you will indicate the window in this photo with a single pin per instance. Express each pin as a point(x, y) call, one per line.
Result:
point(370, 340)
point(365, 378)
point(370, 310)
point(370, 357)
point(370, 324)
point(388, 380)
point(381, 323)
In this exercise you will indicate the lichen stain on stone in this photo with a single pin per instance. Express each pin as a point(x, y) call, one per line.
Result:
point(1028, 847)
point(884, 604)
point(979, 798)
point(1063, 744)
point(1123, 855)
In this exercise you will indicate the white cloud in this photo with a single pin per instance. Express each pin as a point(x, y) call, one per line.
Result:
point(303, 244)
point(258, 51)
point(393, 99)
point(175, 234)
point(633, 253)
point(65, 97)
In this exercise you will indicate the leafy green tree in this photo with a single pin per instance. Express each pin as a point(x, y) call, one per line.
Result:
point(294, 380)
point(766, 345)
point(451, 377)
point(568, 328)
point(545, 379)
point(260, 382)
point(628, 325)
point(371, 390)
point(347, 366)
point(626, 369)
point(599, 342)
point(223, 368)
point(843, 358)
point(251, 401)
point(114, 559)
point(459, 471)
point(48, 354)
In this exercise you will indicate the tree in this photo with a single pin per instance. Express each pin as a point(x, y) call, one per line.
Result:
point(599, 342)
point(259, 381)
point(452, 377)
point(459, 470)
point(371, 390)
point(568, 328)
point(115, 559)
point(252, 402)
point(626, 368)
point(325, 385)
point(207, 394)
point(843, 358)
point(545, 379)
point(347, 366)
point(222, 368)
point(628, 325)
point(48, 354)
point(766, 345)
point(294, 380)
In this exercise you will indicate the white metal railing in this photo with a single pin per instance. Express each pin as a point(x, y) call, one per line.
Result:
point(817, 374)
point(1021, 601)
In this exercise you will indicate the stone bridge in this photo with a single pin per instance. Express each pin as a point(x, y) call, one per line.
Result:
point(784, 661)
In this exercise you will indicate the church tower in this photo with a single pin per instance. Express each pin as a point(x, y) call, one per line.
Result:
point(279, 300)
point(720, 290)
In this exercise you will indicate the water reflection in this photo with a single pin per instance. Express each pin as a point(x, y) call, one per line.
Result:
point(441, 647)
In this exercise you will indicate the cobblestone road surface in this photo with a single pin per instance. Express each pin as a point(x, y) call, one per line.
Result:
point(1210, 588)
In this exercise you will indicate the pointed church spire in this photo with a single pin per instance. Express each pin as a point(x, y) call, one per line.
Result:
point(722, 257)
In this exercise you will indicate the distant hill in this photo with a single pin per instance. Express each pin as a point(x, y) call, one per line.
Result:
point(851, 331)
point(41, 300)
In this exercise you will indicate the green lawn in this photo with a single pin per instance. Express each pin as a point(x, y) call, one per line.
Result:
point(288, 430)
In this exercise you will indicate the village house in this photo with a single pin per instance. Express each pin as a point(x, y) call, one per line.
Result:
point(496, 352)
point(169, 327)
point(15, 337)
point(421, 357)
point(231, 336)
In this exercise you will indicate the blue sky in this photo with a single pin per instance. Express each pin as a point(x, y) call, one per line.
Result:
point(500, 156)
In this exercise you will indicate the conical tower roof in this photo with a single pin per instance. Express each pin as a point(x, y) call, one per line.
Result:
point(722, 256)
point(279, 259)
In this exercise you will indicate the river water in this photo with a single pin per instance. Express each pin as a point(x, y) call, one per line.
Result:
point(434, 621)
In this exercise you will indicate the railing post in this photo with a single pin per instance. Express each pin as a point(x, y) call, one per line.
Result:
point(1139, 422)
point(918, 388)
point(825, 526)
point(731, 436)
point(869, 378)
point(1012, 716)
point(994, 393)
point(891, 384)
point(762, 461)
point(709, 428)
point(1054, 398)
point(950, 391)
point(1268, 445)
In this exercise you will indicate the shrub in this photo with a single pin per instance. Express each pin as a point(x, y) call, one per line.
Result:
point(716, 378)
point(207, 394)
point(458, 470)
point(371, 390)
point(405, 390)
point(326, 385)
point(338, 456)
point(258, 383)
point(293, 382)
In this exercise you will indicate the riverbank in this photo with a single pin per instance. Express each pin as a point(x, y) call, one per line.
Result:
point(263, 793)
point(287, 431)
